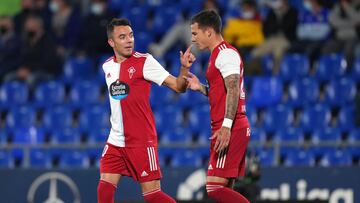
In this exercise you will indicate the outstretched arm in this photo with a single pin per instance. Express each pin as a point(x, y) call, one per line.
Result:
point(179, 84)
point(193, 83)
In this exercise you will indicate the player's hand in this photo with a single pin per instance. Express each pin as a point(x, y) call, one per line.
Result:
point(187, 58)
point(193, 82)
point(222, 137)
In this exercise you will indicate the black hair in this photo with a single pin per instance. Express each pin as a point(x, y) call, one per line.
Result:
point(116, 22)
point(208, 18)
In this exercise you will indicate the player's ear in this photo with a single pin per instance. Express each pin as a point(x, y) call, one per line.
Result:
point(111, 42)
point(208, 32)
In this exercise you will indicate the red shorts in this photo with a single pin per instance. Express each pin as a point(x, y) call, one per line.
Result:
point(140, 163)
point(230, 163)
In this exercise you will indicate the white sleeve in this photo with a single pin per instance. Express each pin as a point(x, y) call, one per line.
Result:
point(228, 62)
point(153, 71)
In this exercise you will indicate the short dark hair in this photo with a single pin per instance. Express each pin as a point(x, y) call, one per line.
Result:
point(208, 18)
point(116, 22)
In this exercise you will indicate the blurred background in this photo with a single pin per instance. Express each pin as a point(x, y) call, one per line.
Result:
point(302, 80)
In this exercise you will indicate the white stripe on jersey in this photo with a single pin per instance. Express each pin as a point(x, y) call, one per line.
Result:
point(151, 167)
point(154, 158)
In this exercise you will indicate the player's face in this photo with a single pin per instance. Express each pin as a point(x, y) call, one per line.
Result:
point(122, 40)
point(199, 36)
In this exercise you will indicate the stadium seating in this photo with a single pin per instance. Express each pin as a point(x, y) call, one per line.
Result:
point(317, 115)
point(330, 67)
point(294, 66)
point(77, 69)
point(356, 70)
point(289, 135)
point(278, 118)
point(95, 117)
point(258, 135)
point(338, 157)
point(31, 135)
point(186, 158)
point(40, 158)
point(270, 88)
point(49, 94)
point(340, 92)
point(98, 135)
point(299, 157)
point(57, 118)
point(164, 20)
point(13, 94)
point(168, 118)
point(66, 136)
point(346, 118)
point(181, 136)
point(303, 92)
point(74, 158)
point(20, 117)
point(6, 160)
point(199, 118)
point(84, 93)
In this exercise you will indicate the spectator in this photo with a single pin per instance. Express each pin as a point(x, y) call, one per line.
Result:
point(39, 59)
point(27, 8)
point(245, 31)
point(180, 32)
point(10, 46)
point(280, 31)
point(94, 39)
point(313, 29)
point(66, 22)
point(344, 18)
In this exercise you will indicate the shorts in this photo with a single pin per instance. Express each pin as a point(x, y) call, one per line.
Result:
point(231, 162)
point(140, 163)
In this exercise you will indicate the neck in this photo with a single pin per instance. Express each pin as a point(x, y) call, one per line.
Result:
point(217, 39)
point(120, 58)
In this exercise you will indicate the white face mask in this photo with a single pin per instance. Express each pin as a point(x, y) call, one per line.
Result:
point(308, 5)
point(276, 4)
point(54, 7)
point(97, 9)
point(248, 14)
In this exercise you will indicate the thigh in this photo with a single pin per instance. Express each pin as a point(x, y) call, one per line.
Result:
point(113, 161)
point(143, 163)
point(230, 163)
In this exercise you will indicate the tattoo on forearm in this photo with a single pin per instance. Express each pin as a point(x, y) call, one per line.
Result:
point(232, 96)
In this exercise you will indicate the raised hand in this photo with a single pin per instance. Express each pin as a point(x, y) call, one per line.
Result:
point(193, 82)
point(187, 58)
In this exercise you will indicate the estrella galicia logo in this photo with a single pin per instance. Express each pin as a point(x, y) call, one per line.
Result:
point(119, 90)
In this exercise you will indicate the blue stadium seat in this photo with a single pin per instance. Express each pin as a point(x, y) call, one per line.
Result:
point(49, 93)
point(186, 158)
point(289, 135)
point(74, 159)
point(266, 157)
point(40, 158)
point(356, 70)
point(294, 66)
point(13, 93)
point(176, 136)
point(326, 135)
point(3, 136)
point(303, 92)
point(355, 153)
point(258, 135)
point(330, 67)
point(346, 118)
point(98, 135)
point(320, 151)
point(204, 136)
point(138, 17)
point(31, 135)
point(251, 113)
point(143, 39)
point(317, 116)
point(354, 135)
point(337, 158)
point(267, 65)
point(278, 118)
point(94, 154)
point(199, 118)
point(66, 136)
point(6, 160)
point(95, 117)
point(76, 69)
point(340, 92)
point(84, 93)
point(20, 117)
point(164, 19)
point(299, 157)
point(168, 118)
point(160, 96)
point(57, 118)
point(270, 88)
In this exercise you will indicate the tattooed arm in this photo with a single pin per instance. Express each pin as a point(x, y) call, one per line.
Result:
point(232, 95)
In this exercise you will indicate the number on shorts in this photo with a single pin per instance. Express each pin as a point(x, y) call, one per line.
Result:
point(105, 150)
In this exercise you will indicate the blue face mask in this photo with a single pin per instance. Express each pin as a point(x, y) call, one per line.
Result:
point(308, 6)
point(54, 7)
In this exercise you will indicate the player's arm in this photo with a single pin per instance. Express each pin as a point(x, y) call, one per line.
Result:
point(232, 96)
point(179, 84)
point(194, 83)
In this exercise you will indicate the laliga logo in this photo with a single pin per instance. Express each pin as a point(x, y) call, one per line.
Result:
point(53, 178)
point(190, 188)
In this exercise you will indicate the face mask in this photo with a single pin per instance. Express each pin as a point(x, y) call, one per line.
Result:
point(3, 30)
point(248, 14)
point(54, 7)
point(276, 4)
point(30, 34)
point(97, 9)
point(307, 5)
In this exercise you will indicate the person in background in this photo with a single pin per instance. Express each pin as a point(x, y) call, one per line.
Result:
point(344, 19)
point(279, 29)
point(27, 9)
point(10, 46)
point(39, 60)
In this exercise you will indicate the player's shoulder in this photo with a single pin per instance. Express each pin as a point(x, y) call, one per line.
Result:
point(141, 55)
point(109, 61)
